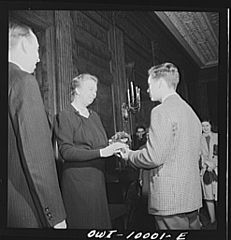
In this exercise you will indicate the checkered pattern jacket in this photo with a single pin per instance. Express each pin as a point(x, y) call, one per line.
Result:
point(172, 153)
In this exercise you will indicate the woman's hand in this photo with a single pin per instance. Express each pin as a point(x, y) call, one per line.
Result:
point(124, 153)
point(113, 148)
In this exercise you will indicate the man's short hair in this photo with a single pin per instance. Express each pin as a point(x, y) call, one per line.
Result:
point(16, 31)
point(166, 70)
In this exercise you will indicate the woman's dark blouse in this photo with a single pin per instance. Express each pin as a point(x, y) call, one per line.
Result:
point(83, 184)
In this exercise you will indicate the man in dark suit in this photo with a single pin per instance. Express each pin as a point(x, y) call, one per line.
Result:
point(34, 197)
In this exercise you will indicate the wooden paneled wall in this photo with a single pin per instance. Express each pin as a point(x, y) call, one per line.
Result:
point(138, 51)
point(146, 43)
point(63, 58)
point(91, 53)
point(103, 43)
point(208, 87)
point(118, 67)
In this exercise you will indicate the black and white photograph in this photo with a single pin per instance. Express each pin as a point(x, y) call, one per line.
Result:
point(117, 123)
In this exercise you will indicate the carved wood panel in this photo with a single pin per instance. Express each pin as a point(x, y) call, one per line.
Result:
point(118, 70)
point(64, 64)
point(138, 49)
point(129, 24)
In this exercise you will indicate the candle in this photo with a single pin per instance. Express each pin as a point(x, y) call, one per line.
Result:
point(132, 92)
point(136, 94)
point(129, 99)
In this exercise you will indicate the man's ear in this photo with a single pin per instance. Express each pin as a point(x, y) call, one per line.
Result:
point(77, 91)
point(24, 45)
point(160, 82)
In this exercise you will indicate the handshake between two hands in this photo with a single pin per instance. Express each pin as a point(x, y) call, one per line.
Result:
point(118, 145)
point(119, 149)
point(122, 150)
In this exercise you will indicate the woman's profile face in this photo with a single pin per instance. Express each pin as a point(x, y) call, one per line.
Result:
point(206, 127)
point(87, 91)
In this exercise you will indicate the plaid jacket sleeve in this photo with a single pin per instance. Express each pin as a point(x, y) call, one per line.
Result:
point(159, 142)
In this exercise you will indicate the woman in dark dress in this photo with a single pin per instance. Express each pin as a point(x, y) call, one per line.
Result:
point(83, 144)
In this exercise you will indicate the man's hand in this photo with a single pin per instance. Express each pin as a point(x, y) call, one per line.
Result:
point(61, 225)
point(113, 148)
point(124, 153)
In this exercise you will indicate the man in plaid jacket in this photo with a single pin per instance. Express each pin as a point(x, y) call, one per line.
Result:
point(172, 154)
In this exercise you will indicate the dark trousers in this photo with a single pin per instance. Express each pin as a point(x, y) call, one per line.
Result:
point(189, 221)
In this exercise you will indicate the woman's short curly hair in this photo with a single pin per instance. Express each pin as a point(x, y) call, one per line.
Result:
point(78, 80)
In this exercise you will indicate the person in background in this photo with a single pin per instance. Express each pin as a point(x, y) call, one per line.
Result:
point(83, 145)
point(139, 137)
point(142, 220)
point(209, 170)
point(132, 185)
point(140, 140)
point(172, 152)
point(34, 198)
point(131, 171)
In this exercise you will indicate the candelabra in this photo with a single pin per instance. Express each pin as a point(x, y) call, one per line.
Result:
point(133, 101)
